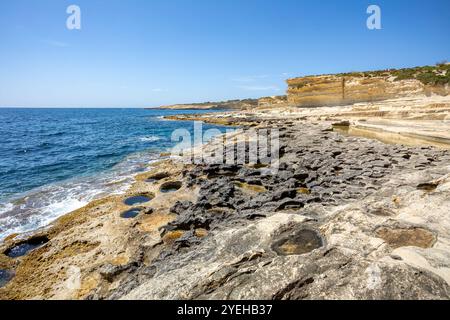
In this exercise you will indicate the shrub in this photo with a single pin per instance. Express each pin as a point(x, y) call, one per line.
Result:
point(431, 78)
point(404, 74)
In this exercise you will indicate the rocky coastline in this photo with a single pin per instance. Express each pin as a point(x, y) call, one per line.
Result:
point(358, 208)
point(345, 217)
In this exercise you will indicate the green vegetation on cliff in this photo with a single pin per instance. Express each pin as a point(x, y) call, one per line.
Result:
point(428, 75)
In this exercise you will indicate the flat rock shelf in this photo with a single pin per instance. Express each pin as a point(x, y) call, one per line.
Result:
point(342, 217)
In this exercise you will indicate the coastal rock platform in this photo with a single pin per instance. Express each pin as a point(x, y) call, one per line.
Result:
point(343, 217)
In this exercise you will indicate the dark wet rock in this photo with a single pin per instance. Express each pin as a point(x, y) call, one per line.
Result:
point(291, 205)
point(312, 176)
point(254, 216)
point(220, 193)
point(283, 194)
point(187, 240)
point(148, 211)
point(109, 272)
point(296, 290)
point(406, 156)
point(249, 172)
point(344, 123)
point(254, 203)
point(430, 186)
point(301, 175)
point(191, 220)
point(282, 151)
point(181, 206)
point(217, 171)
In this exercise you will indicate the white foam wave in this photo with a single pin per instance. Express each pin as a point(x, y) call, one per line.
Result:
point(150, 139)
point(40, 207)
point(5, 207)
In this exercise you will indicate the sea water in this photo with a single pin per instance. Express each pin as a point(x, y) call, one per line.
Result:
point(54, 161)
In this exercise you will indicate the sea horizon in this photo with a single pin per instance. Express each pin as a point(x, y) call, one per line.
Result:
point(63, 158)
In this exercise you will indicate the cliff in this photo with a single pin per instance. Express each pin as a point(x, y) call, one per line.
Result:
point(274, 101)
point(342, 89)
point(230, 104)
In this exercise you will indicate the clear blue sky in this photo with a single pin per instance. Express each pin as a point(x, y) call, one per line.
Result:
point(139, 53)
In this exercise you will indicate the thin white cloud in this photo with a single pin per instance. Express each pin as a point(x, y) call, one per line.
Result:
point(259, 88)
point(58, 44)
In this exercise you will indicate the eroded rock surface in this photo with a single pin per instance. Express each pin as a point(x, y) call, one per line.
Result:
point(324, 227)
point(341, 218)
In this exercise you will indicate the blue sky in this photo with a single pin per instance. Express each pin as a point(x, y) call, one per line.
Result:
point(140, 53)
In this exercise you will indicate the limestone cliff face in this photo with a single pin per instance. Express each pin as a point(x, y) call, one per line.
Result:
point(272, 101)
point(331, 90)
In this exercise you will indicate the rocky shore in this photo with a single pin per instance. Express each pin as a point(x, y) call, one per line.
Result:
point(344, 217)
point(221, 105)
